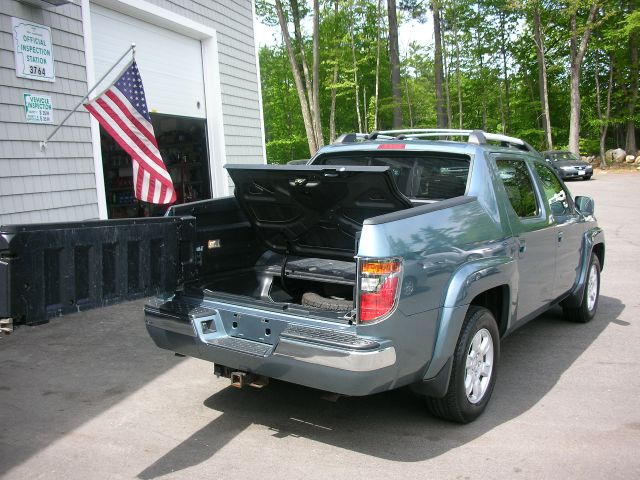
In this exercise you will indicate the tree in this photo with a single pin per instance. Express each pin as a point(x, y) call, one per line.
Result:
point(578, 48)
point(394, 61)
point(378, 44)
point(315, 81)
point(542, 75)
point(441, 113)
point(308, 93)
point(604, 119)
point(632, 95)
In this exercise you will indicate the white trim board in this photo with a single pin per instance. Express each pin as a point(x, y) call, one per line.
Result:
point(95, 127)
point(257, 53)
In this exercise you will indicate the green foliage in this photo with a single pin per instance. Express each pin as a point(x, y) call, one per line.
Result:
point(487, 43)
point(286, 149)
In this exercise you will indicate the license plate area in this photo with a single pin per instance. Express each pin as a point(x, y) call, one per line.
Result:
point(252, 327)
point(580, 172)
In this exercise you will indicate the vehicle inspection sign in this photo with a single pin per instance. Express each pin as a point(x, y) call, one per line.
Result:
point(33, 50)
point(38, 108)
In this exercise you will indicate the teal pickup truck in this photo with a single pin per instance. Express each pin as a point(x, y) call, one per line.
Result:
point(390, 259)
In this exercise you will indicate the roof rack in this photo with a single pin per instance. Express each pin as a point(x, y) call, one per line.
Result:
point(478, 137)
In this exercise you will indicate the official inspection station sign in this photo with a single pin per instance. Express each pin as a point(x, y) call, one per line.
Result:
point(38, 108)
point(33, 50)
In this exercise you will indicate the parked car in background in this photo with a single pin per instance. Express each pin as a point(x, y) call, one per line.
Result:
point(568, 164)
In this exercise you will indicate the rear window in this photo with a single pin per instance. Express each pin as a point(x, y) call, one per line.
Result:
point(422, 176)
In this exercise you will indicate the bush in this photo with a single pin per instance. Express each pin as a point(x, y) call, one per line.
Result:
point(283, 150)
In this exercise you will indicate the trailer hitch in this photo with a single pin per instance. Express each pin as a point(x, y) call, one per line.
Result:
point(242, 379)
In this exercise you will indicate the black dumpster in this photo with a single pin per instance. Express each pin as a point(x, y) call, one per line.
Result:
point(53, 269)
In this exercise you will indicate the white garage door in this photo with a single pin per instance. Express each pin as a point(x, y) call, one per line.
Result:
point(170, 64)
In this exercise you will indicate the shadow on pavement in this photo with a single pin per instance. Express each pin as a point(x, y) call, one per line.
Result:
point(55, 377)
point(394, 425)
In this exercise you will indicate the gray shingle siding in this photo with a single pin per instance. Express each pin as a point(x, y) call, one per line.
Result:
point(59, 183)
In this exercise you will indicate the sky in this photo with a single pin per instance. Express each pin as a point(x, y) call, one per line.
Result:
point(408, 32)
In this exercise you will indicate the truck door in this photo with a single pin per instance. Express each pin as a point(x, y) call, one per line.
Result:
point(568, 228)
point(536, 240)
point(51, 269)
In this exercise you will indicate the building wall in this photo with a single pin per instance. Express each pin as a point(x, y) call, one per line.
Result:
point(58, 184)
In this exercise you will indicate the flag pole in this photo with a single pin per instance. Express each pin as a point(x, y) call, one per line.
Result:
point(132, 48)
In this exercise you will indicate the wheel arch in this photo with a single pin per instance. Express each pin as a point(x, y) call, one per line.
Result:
point(598, 250)
point(496, 300)
point(490, 283)
point(593, 244)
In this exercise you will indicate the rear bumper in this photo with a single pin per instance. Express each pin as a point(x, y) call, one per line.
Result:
point(575, 174)
point(330, 358)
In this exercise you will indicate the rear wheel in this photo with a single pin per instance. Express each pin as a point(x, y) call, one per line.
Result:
point(473, 373)
point(587, 309)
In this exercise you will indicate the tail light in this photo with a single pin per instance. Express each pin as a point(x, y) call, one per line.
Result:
point(378, 288)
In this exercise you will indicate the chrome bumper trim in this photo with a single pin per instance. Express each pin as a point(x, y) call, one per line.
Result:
point(170, 324)
point(350, 360)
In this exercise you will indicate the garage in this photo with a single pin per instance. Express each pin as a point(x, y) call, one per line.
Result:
point(171, 67)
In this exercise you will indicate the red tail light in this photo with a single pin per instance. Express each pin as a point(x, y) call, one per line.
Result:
point(378, 288)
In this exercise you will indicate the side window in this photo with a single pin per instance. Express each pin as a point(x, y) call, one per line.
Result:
point(556, 195)
point(517, 182)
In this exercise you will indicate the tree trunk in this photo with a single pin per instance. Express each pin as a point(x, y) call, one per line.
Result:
point(394, 62)
point(406, 86)
point(332, 112)
point(447, 74)
point(458, 83)
point(378, 42)
point(482, 87)
point(604, 122)
point(355, 78)
point(505, 73)
point(632, 98)
point(441, 114)
point(315, 96)
point(577, 52)
point(295, 70)
point(542, 78)
point(295, 16)
point(364, 108)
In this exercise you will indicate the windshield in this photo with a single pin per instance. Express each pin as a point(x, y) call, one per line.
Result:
point(418, 175)
point(565, 156)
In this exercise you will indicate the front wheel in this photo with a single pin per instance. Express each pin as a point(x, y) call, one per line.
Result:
point(473, 373)
point(587, 309)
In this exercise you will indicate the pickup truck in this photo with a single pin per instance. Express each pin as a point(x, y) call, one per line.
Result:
point(390, 259)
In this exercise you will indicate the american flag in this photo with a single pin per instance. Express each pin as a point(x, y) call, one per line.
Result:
point(122, 111)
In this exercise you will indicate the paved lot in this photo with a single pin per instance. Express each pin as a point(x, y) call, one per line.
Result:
point(89, 397)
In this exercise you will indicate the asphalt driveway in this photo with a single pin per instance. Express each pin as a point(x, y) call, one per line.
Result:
point(88, 396)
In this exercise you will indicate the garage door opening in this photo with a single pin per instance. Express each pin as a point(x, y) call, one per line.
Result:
point(183, 145)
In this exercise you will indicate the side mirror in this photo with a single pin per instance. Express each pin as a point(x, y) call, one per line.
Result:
point(585, 205)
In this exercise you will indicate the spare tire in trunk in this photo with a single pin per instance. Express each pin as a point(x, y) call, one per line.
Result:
point(312, 299)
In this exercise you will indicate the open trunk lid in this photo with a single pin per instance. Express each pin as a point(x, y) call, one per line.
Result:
point(314, 210)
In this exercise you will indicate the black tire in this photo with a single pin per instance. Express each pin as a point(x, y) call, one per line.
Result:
point(456, 405)
point(588, 308)
point(588, 177)
point(336, 305)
